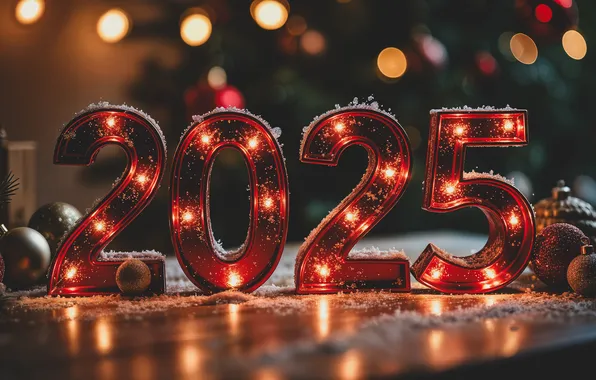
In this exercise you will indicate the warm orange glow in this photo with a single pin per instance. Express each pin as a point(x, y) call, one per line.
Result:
point(392, 62)
point(350, 217)
point(389, 172)
point(340, 126)
point(269, 14)
point(296, 25)
point(323, 317)
point(490, 273)
point(205, 139)
point(313, 42)
point(459, 130)
point(100, 226)
point(252, 143)
point(323, 270)
point(436, 274)
point(141, 178)
point(508, 125)
point(450, 189)
point(29, 11)
point(234, 280)
point(111, 122)
point(514, 220)
point(103, 336)
point(268, 203)
point(574, 44)
point(188, 216)
point(70, 273)
point(195, 29)
point(217, 78)
point(113, 25)
point(436, 307)
point(523, 48)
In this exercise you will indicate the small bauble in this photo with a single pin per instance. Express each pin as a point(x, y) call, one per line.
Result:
point(563, 208)
point(53, 220)
point(133, 277)
point(554, 248)
point(581, 273)
point(26, 256)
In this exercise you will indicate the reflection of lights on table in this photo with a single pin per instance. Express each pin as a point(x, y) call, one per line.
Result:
point(233, 318)
point(72, 329)
point(103, 336)
point(350, 366)
point(436, 307)
point(323, 317)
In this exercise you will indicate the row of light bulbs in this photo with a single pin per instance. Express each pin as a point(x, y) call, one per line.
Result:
point(195, 27)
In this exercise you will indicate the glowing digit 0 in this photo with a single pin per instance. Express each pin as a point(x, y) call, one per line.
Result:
point(205, 263)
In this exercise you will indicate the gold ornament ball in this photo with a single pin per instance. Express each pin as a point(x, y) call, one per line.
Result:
point(133, 277)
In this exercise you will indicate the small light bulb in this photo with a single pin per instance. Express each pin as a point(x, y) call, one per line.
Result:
point(205, 139)
point(513, 220)
point(268, 203)
point(435, 274)
point(459, 130)
point(450, 189)
point(252, 143)
point(490, 273)
point(350, 217)
point(508, 125)
point(340, 127)
point(323, 270)
point(234, 279)
point(71, 273)
point(389, 172)
point(111, 122)
point(100, 226)
point(141, 178)
point(187, 216)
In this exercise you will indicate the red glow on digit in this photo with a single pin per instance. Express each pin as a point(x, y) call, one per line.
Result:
point(323, 264)
point(77, 268)
point(447, 188)
point(202, 259)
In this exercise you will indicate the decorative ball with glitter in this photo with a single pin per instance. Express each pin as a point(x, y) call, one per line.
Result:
point(581, 273)
point(563, 208)
point(26, 256)
point(554, 248)
point(53, 221)
point(133, 277)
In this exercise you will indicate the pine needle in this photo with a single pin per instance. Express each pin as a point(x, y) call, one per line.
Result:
point(8, 187)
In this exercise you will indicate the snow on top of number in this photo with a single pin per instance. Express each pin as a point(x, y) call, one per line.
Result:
point(490, 175)
point(141, 255)
point(124, 107)
point(276, 132)
point(369, 104)
point(374, 253)
point(507, 108)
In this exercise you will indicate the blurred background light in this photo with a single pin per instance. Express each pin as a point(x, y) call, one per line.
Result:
point(269, 14)
point(392, 62)
point(29, 11)
point(217, 78)
point(296, 25)
point(574, 44)
point(195, 29)
point(113, 25)
point(523, 48)
point(543, 13)
point(313, 42)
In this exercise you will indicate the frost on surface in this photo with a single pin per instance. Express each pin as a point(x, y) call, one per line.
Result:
point(374, 253)
point(507, 108)
point(490, 175)
point(121, 256)
point(101, 105)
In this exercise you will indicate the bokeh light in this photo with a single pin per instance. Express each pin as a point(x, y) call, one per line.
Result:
point(29, 11)
point(113, 25)
point(523, 48)
point(217, 78)
point(195, 29)
point(574, 44)
point(392, 62)
point(565, 3)
point(296, 25)
point(543, 13)
point(269, 14)
point(313, 42)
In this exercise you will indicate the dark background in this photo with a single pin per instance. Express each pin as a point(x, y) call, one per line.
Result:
point(457, 53)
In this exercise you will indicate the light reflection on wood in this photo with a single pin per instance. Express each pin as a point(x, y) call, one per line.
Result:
point(103, 336)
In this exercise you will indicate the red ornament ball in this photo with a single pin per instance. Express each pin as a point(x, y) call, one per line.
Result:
point(554, 249)
point(133, 277)
point(581, 273)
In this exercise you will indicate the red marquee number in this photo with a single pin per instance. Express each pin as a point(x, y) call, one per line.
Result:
point(447, 188)
point(78, 268)
point(204, 261)
point(323, 264)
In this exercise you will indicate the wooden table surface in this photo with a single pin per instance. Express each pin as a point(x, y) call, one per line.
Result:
point(287, 336)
